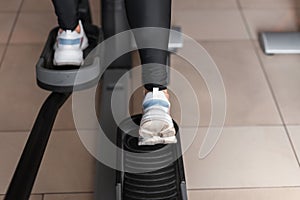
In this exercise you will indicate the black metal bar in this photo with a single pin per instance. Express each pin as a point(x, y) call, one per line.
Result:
point(168, 67)
point(25, 174)
point(85, 12)
point(114, 18)
point(114, 21)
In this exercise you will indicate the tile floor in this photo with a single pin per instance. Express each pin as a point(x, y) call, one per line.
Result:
point(258, 152)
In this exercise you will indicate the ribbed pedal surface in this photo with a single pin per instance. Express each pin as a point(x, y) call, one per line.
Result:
point(159, 182)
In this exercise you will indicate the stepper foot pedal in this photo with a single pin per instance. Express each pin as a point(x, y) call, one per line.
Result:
point(148, 172)
point(69, 78)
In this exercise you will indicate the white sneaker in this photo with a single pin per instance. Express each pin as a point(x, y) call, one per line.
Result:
point(156, 125)
point(69, 47)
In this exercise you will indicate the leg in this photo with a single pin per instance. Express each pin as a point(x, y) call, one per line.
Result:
point(151, 13)
point(71, 39)
point(156, 124)
point(67, 13)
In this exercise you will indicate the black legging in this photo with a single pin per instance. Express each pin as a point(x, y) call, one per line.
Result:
point(67, 13)
point(140, 13)
point(151, 13)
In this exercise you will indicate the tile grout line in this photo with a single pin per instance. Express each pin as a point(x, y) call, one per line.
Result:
point(269, 83)
point(11, 33)
point(240, 9)
point(63, 193)
point(198, 40)
point(183, 126)
point(244, 188)
point(25, 131)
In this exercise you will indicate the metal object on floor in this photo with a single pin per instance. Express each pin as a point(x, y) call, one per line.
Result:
point(280, 42)
point(175, 40)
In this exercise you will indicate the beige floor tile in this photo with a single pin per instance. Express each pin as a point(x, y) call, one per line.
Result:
point(11, 147)
point(211, 24)
point(243, 157)
point(20, 97)
point(295, 136)
point(283, 72)
point(37, 6)
point(269, 3)
point(12, 5)
point(268, 20)
point(33, 197)
point(247, 194)
point(95, 4)
point(96, 17)
point(69, 197)
point(66, 167)
point(186, 106)
point(249, 100)
point(33, 27)
point(6, 21)
point(203, 4)
point(45, 5)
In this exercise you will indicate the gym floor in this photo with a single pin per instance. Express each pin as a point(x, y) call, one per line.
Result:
point(257, 154)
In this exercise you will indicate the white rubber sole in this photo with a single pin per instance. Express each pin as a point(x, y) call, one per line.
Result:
point(68, 57)
point(157, 140)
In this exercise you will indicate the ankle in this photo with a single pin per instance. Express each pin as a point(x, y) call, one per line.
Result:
point(77, 29)
point(164, 91)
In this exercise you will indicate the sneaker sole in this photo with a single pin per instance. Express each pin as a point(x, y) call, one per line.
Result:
point(161, 140)
point(61, 63)
point(68, 58)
